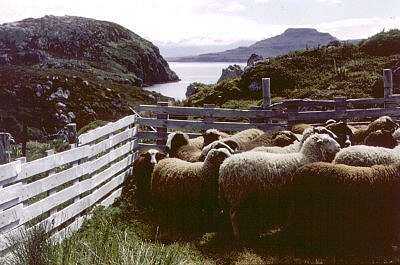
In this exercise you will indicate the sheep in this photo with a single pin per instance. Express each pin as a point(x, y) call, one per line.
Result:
point(215, 145)
point(181, 186)
point(345, 135)
point(180, 146)
point(345, 206)
point(280, 138)
point(396, 135)
point(382, 123)
point(252, 180)
point(381, 138)
point(212, 135)
point(362, 155)
point(295, 147)
point(138, 186)
point(330, 121)
point(237, 140)
point(300, 128)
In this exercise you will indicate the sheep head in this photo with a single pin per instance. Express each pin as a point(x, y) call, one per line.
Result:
point(383, 123)
point(320, 147)
point(383, 138)
point(345, 136)
point(215, 145)
point(152, 156)
point(216, 156)
point(284, 138)
point(176, 140)
point(211, 135)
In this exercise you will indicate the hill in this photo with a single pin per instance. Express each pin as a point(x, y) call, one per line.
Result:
point(292, 39)
point(341, 69)
point(55, 70)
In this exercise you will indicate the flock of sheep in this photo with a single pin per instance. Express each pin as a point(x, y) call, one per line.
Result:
point(333, 183)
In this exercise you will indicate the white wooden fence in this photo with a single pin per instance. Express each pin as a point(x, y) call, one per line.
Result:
point(59, 190)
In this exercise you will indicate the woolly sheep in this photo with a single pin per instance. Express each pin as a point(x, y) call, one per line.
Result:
point(180, 146)
point(345, 206)
point(300, 128)
point(295, 147)
point(330, 121)
point(382, 123)
point(237, 140)
point(255, 178)
point(381, 138)
point(362, 155)
point(345, 135)
point(214, 145)
point(139, 184)
point(280, 138)
point(180, 185)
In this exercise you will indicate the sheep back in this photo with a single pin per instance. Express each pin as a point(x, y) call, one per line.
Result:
point(339, 205)
point(362, 155)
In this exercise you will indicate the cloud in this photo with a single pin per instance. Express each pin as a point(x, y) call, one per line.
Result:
point(358, 27)
point(334, 2)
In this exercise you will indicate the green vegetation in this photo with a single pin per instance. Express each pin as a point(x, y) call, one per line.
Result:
point(125, 235)
point(339, 69)
point(383, 44)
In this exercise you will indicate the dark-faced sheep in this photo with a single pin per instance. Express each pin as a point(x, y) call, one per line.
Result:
point(252, 183)
point(382, 123)
point(345, 135)
point(180, 146)
point(340, 206)
point(381, 138)
point(137, 187)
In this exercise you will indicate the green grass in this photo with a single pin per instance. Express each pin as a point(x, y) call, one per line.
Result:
point(124, 235)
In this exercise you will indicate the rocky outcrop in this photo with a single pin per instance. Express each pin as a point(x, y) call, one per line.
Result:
point(83, 44)
point(253, 59)
point(56, 70)
point(232, 71)
point(191, 90)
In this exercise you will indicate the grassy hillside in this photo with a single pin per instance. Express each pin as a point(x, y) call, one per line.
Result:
point(340, 69)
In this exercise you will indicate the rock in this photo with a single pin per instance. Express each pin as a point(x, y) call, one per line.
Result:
point(253, 59)
point(254, 86)
point(191, 90)
point(79, 43)
point(396, 80)
point(233, 71)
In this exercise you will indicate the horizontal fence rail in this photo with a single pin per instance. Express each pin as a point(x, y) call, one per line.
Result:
point(58, 191)
point(268, 117)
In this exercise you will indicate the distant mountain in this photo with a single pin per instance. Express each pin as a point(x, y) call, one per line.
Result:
point(191, 48)
point(291, 40)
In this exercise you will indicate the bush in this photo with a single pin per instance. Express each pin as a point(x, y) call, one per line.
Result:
point(383, 44)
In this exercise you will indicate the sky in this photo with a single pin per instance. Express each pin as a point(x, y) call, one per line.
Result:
point(220, 22)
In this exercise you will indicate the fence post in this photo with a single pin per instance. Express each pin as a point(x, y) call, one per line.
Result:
point(162, 131)
point(5, 139)
point(388, 83)
point(71, 132)
point(292, 112)
point(387, 86)
point(52, 171)
point(340, 106)
point(209, 118)
point(266, 87)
